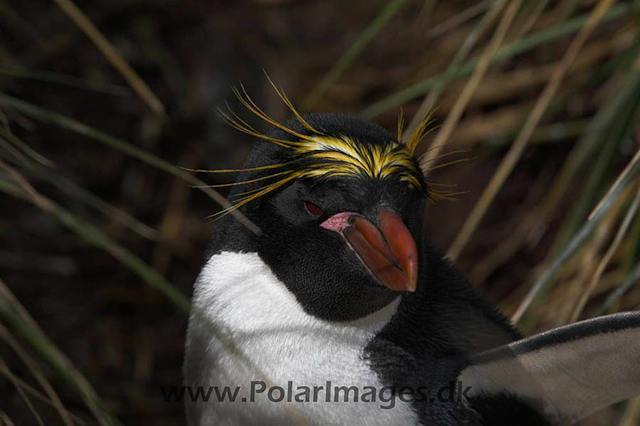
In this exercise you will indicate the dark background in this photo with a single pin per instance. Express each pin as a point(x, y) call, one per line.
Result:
point(125, 336)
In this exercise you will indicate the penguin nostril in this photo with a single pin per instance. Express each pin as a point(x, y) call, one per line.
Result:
point(313, 209)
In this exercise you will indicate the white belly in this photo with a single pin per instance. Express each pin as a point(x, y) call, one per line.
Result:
point(277, 343)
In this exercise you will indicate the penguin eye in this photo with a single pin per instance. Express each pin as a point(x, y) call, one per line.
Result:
point(313, 209)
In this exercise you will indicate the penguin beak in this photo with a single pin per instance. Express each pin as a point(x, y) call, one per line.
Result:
point(387, 250)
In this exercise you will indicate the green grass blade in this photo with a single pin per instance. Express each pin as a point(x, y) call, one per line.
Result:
point(32, 334)
point(26, 149)
point(631, 279)
point(627, 176)
point(87, 197)
point(118, 215)
point(53, 398)
point(63, 121)
point(40, 396)
point(542, 37)
point(352, 53)
point(466, 47)
point(97, 238)
point(590, 139)
point(608, 132)
point(66, 80)
point(5, 369)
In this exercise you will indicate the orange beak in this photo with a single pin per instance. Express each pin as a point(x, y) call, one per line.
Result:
point(388, 251)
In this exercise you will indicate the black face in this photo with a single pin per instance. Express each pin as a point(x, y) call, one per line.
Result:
point(333, 269)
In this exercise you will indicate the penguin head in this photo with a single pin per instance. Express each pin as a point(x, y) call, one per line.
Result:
point(339, 201)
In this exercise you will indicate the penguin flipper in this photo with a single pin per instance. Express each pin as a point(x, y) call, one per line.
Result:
point(567, 373)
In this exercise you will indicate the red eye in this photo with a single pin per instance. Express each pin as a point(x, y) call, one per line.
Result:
point(313, 209)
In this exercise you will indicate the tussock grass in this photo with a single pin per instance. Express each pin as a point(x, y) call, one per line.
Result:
point(550, 86)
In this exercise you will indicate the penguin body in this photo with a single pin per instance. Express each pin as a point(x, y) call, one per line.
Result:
point(340, 290)
point(285, 345)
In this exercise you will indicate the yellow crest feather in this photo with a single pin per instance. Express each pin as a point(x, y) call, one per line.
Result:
point(322, 155)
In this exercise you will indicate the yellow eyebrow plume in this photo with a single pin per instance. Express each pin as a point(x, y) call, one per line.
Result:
point(312, 153)
point(345, 156)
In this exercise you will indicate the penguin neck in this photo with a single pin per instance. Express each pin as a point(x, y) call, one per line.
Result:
point(246, 282)
point(324, 290)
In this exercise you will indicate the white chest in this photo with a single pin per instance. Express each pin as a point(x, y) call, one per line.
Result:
point(278, 344)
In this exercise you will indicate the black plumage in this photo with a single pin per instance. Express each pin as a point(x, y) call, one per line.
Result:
point(437, 330)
